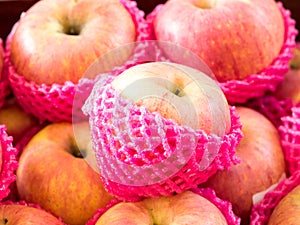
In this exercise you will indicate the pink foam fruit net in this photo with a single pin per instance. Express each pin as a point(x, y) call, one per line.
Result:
point(262, 211)
point(290, 138)
point(224, 206)
point(142, 154)
point(8, 163)
point(55, 102)
point(4, 84)
point(256, 85)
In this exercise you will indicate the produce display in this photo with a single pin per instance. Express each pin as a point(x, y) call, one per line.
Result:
point(186, 114)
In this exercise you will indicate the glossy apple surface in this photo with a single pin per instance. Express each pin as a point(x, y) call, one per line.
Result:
point(287, 212)
point(53, 173)
point(177, 92)
point(17, 122)
point(262, 164)
point(236, 38)
point(185, 208)
point(57, 40)
point(14, 214)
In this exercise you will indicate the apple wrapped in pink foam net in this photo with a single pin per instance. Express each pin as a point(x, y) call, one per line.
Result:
point(4, 84)
point(55, 102)
point(256, 85)
point(8, 162)
point(142, 154)
point(271, 107)
point(224, 206)
point(262, 211)
point(290, 139)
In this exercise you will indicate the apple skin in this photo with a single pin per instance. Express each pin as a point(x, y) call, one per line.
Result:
point(290, 87)
point(15, 214)
point(56, 41)
point(176, 91)
point(16, 120)
point(226, 34)
point(185, 208)
point(50, 175)
point(1, 58)
point(262, 164)
point(287, 212)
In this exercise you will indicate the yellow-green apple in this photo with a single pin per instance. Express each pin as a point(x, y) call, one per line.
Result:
point(15, 214)
point(235, 38)
point(185, 208)
point(290, 87)
point(262, 164)
point(53, 173)
point(16, 120)
point(178, 92)
point(57, 40)
point(287, 212)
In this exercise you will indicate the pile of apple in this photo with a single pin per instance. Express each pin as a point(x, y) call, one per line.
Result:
point(248, 45)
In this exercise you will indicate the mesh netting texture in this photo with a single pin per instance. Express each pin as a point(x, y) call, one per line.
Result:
point(262, 211)
point(4, 84)
point(224, 206)
point(8, 162)
point(55, 102)
point(256, 85)
point(141, 154)
point(290, 139)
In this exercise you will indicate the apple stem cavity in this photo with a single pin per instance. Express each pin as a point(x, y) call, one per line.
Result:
point(71, 29)
point(205, 4)
point(5, 221)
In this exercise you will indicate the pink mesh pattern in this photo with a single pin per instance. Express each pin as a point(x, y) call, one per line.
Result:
point(224, 206)
point(272, 108)
point(4, 84)
point(256, 85)
point(290, 139)
point(138, 152)
point(9, 163)
point(262, 211)
point(24, 203)
point(55, 102)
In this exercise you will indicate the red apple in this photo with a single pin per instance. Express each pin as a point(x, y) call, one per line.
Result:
point(57, 40)
point(236, 38)
point(53, 173)
point(1, 59)
point(185, 208)
point(287, 212)
point(290, 87)
point(177, 92)
point(16, 120)
point(262, 164)
point(15, 214)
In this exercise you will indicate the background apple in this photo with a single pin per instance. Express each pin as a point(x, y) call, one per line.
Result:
point(16, 120)
point(56, 41)
point(177, 92)
point(287, 212)
point(262, 164)
point(53, 173)
point(290, 87)
point(227, 35)
point(185, 208)
point(15, 214)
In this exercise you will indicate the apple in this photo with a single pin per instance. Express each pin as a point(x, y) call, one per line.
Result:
point(17, 121)
point(186, 95)
point(1, 58)
point(290, 87)
point(287, 212)
point(236, 38)
point(57, 40)
point(54, 174)
point(185, 208)
point(262, 164)
point(15, 214)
